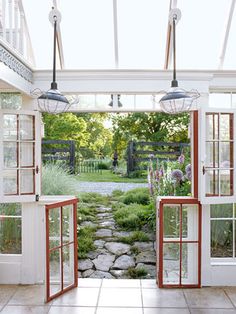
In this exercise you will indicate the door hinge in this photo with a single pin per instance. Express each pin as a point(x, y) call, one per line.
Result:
point(37, 169)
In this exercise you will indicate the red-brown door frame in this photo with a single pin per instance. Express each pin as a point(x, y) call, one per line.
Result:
point(178, 201)
point(60, 247)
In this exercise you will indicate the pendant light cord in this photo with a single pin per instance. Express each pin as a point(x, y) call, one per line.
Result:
point(174, 82)
point(54, 84)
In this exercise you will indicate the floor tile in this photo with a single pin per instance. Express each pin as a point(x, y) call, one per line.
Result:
point(231, 293)
point(79, 297)
point(207, 298)
point(18, 309)
point(166, 311)
point(148, 283)
point(71, 310)
point(120, 297)
point(117, 310)
point(89, 282)
point(6, 292)
point(121, 283)
point(28, 295)
point(163, 298)
point(213, 311)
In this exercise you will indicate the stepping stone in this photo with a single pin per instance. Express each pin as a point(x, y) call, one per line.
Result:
point(104, 209)
point(87, 273)
point(108, 224)
point(99, 244)
point(144, 246)
point(88, 224)
point(117, 248)
point(101, 233)
point(94, 254)
point(151, 269)
point(124, 262)
point(122, 233)
point(119, 273)
point(104, 262)
point(148, 257)
point(104, 215)
point(85, 264)
point(102, 274)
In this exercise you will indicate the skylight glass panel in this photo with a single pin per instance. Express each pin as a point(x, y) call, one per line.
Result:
point(230, 59)
point(200, 33)
point(142, 29)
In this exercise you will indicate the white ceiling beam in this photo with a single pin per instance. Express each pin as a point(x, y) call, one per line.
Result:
point(168, 53)
point(226, 37)
point(59, 41)
point(115, 29)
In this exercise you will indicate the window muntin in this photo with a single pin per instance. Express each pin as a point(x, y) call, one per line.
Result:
point(223, 225)
point(219, 154)
point(18, 154)
point(10, 228)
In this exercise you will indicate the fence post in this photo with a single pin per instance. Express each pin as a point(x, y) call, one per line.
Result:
point(72, 157)
point(130, 161)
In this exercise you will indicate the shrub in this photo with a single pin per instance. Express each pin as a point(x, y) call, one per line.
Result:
point(85, 241)
point(92, 197)
point(139, 196)
point(103, 166)
point(132, 216)
point(86, 213)
point(134, 237)
point(135, 273)
point(57, 180)
point(117, 193)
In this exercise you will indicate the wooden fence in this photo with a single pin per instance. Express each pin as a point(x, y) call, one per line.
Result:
point(139, 152)
point(62, 150)
point(89, 166)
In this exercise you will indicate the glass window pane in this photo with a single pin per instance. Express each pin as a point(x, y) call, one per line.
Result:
point(10, 154)
point(10, 101)
point(10, 182)
point(221, 238)
point(222, 211)
point(226, 131)
point(189, 267)
point(226, 154)
point(190, 222)
point(68, 265)
point(54, 227)
point(26, 127)
point(67, 226)
point(218, 100)
point(10, 127)
point(55, 271)
point(26, 154)
point(212, 154)
point(171, 263)
point(212, 182)
point(27, 181)
point(226, 182)
point(212, 126)
point(171, 221)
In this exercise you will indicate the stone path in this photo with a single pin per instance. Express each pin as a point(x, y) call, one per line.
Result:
point(112, 258)
point(108, 187)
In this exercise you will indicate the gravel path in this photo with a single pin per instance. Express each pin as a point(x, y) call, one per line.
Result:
point(107, 187)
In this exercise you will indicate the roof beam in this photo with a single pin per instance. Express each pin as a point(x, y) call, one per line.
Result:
point(59, 42)
point(227, 31)
point(168, 54)
point(115, 28)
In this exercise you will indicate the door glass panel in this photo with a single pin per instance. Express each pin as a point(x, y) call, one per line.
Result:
point(222, 211)
point(171, 263)
point(54, 227)
point(212, 154)
point(68, 265)
point(10, 182)
point(212, 127)
point(171, 221)
point(190, 222)
point(226, 183)
point(10, 127)
point(226, 149)
point(212, 182)
point(26, 127)
point(66, 224)
point(26, 154)
point(26, 181)
point(189, 265)
point(10, 154)
point(225, 127)
point(55, 271)
point(221, 238)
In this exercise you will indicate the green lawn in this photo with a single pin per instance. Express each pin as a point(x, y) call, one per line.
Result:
point(107, 176)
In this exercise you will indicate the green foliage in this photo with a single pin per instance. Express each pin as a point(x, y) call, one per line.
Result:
point(57, 180)
point(103, 165)
point(92, 197)
point(132, 217)
point(138, 195)
point(86, 212)
point(85, 241)
point(107, 176)
point(135, 250)
point(117, 193)
point(136, 273)
point(135, 237)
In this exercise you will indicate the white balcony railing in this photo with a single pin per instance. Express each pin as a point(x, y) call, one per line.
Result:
point(14, 33)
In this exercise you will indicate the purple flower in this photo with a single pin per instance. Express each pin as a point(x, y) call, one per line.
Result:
point(177, 175)
point(188, 171)
point(161, 172)
point(157, 176)
point(181, 159)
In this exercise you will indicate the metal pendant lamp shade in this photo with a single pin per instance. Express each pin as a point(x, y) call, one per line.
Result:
point(176, 100)
point(53, 101)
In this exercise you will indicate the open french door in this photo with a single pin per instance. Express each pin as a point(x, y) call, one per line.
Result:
point(61, 248)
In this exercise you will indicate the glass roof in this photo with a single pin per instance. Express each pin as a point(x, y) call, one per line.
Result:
point(88, 37)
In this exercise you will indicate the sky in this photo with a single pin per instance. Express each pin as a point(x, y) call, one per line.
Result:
point(87, 33)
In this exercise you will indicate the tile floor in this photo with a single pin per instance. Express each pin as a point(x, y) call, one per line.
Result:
point(107, 296)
